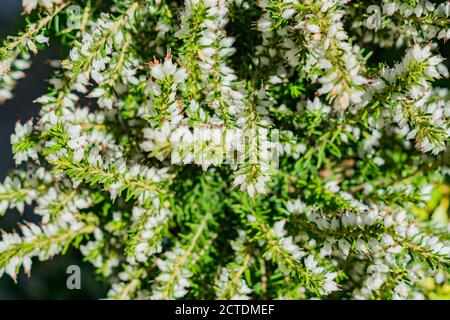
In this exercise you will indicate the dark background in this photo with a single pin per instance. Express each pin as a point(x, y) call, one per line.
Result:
point(48, 279)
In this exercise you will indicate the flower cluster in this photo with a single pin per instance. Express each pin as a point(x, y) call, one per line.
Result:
point(16, 50)
point(406, 22)
point(29, 5)
point(322, 47)
point(410, 102)
point(38, 241)
point(231, 284)
point(262, 149)
point(149, 230)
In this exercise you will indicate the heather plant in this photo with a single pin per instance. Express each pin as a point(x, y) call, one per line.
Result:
point(206, 149)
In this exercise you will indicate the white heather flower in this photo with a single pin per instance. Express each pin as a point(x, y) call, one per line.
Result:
point(168, 67)
point(157, 71)
point(344, 246)
point(332, 186)
point(375, 281)
point(313, 28)
point(378, 161)
point(97, 76)
point(310, 263)
point(387, 240)
point(302, 106)
point(296, 206)
point(114, 189)
point(74, 55)
point(401, 290)
point(42, 39)
point(180, 75)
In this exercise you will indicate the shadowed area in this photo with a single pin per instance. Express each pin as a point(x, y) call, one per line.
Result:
point(48, 279)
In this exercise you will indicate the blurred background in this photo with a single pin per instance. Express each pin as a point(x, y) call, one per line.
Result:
point(48, 280)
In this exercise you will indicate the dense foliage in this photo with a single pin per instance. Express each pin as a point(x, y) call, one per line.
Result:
point(234, 149)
